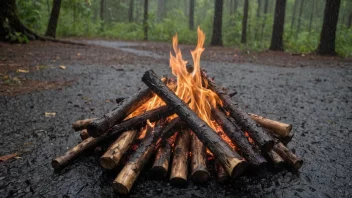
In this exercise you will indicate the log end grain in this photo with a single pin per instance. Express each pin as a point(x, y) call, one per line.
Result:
point(239, 169)
point(56, 163)
point(200, 176)
point(178, 181)
point(159, 172)
point(120, 188)
point(107, 163)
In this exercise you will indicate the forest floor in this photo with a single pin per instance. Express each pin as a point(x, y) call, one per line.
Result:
point(71, 82)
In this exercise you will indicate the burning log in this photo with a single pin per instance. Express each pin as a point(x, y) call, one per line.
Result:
point(84, 134)
point(260, 136)
point(112, 156)
point(275, 158)
point(276, 127)
point(82, 124)
point(129, 124)
point(238, 138)
point(288, 155)
point(286, 139)
point(233, 163)
point(128, 175)
point(179, 168)
point(221, 173)
point(199, 174)
point(101, 125)
point(162, 160)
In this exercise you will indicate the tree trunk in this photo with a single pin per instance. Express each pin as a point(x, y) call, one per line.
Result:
point(294, 14)
point(54, 19)
point(328, 32)
point(145, 20)
point(349, 22)
point(256, 33)
point(299, 18)
point(130, 11)
point(311, 16)
point(244, 22)
point(191, 14)
point(278, 28)
point(266, 7)
point(216, 39)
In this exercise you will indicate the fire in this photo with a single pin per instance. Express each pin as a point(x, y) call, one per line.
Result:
point(189, 86)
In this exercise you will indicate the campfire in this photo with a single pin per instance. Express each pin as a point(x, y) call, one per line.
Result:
point(181, 119)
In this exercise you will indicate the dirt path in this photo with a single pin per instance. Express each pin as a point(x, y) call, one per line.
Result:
point(315, 99)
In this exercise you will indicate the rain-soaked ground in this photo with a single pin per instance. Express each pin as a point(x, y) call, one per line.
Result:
point(316, 100)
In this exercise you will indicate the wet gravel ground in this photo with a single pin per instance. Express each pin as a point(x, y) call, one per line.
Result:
point(317, 101)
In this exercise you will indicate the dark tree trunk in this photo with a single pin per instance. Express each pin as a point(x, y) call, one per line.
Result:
point(278, 28)
point(102, 6)
point(145, 20)
point(130, 11)
point(10, 22)
point(299, 18)
point(266, 7)
point(54, 19)
point(244, 22)
point(191, 14)
point(349, 22)
point(328, 32)
point(311, 16)
point(216, 39)
point(294, 14)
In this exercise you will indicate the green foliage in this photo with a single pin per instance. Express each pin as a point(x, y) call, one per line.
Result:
point(17, 37)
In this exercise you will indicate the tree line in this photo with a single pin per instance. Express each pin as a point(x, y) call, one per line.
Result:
point(251, 21)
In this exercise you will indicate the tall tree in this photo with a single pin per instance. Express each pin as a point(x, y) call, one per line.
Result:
point(266, 8)
point(54, 19)
point(145, 20)
point(278, 27)
point(191, 14)
point(328, 32)
point(349, 21)
point(244, 22)
point(299, 18)
point(216, 39)
point(130, 11)
point(102, 11)
point(294, 14)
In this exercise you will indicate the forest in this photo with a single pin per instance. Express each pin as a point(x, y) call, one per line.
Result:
point(244, 24)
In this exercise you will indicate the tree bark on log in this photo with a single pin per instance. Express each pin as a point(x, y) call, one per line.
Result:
point(260, 136)
point(276, 158)
point(238, 138)
point(288, 155)
point(200, 173)
point(132, 123)
point(84, 134)
point(101, 125)
point(162, 160)
point(277, 127)
point(179, 168)
point(128, 175)
point(221, 173)
point(113, 155)
point(82, 124)
point(229, 159)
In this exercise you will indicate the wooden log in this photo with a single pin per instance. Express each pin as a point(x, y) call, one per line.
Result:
point(162, 160)
point(84, 134)
point(82, 124)
point(260, 136)
point(179, 167)
point(199, 171)
point(279, 128)
point(221, 173)
point(238, 138)
point(286, 139)
point(232, 162)
point(276, 158)
point(128, 175)
point(112, 156)
point(289, 157)
point(101, 125)
point(115, 131)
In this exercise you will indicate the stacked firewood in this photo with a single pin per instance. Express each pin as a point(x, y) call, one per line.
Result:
point(174, 135)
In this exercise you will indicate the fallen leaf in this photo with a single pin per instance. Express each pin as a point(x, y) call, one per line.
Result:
point(78, 54)
point(62, 67)
point(22, 70)
point(8, 157)
point(50, 114)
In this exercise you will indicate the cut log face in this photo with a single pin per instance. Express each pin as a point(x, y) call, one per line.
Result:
point(162, 160)
point(288, 155)
point(82, 124)
point(179, 168)
point(276, 127)
point(238, 138)
point(260, 136)
point(84, 134)
point(221, 173)
point(101, 125)
point(200, 173)
point(112, 156)
point(232, 162)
